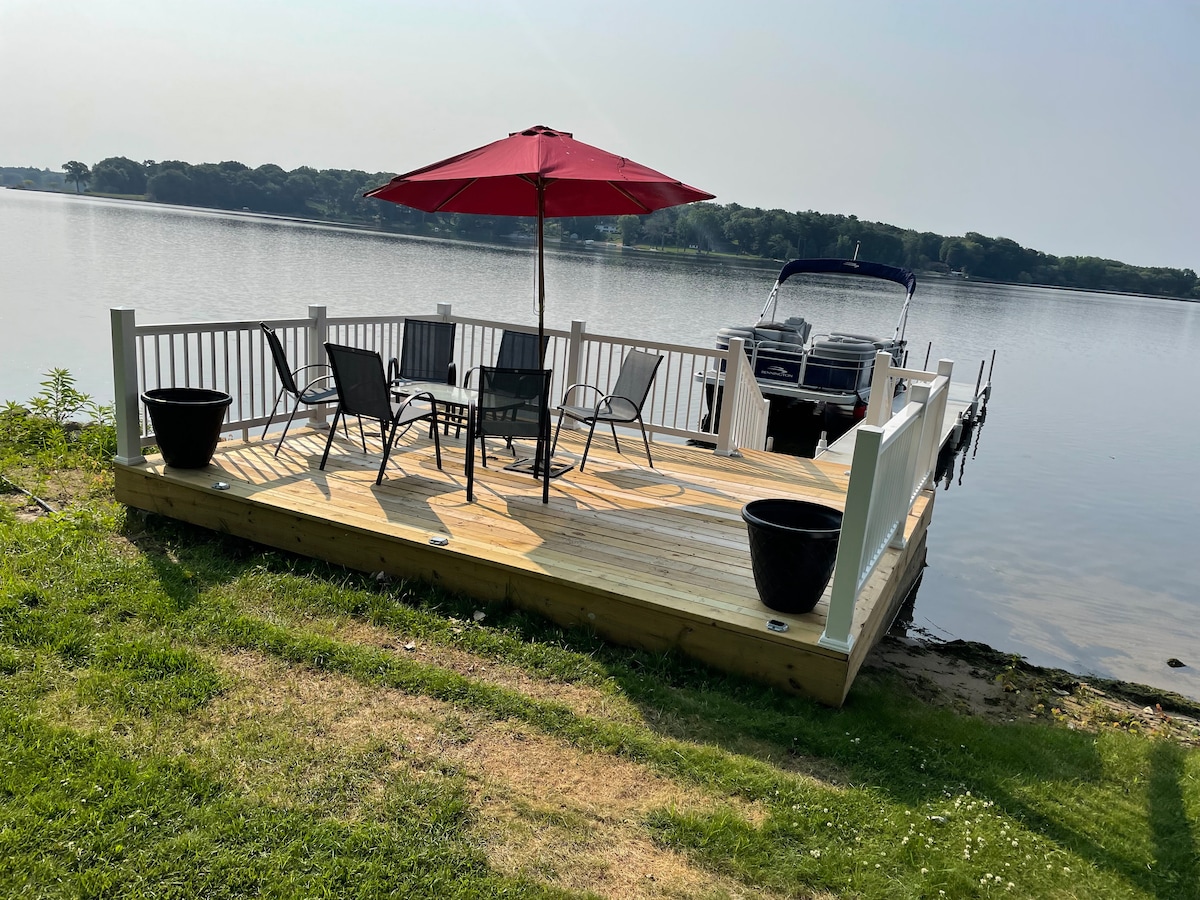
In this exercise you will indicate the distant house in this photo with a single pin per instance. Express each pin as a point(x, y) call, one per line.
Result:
point(606, 229)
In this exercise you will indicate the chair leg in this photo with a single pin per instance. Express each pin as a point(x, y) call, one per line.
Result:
point(387, 448)
point(646, 441)
point(591, 431)
point(288, 425)
point(271, 417)
point(437, 443)
point(557, 429)
point(616, 442)
point(470, 463)
point(329, 440)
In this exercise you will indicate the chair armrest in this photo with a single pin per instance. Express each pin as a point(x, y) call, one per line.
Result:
point(310, 366)
point(607, 399)
point(581, 386)
point(402, 414)
point(315, 381)
point(467, 377)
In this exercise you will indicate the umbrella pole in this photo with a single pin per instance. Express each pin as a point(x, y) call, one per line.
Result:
point(541, 286)
point(541, 467)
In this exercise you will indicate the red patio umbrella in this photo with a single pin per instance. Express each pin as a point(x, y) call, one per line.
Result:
point(538, 172)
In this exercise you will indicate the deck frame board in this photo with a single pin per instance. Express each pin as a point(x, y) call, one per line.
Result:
point(648, 557)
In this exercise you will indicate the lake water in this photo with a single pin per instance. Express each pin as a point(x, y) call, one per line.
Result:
point(1066, 533)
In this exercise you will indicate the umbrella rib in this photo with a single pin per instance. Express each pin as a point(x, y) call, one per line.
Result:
point(628, 196)
point(454, 196)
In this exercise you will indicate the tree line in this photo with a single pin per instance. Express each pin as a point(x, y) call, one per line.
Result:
point(702, 228)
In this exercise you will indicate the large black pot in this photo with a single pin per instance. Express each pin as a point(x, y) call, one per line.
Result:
point(187, 423)
point(793, 546)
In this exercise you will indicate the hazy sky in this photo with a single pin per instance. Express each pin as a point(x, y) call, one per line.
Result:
point(1070, 127)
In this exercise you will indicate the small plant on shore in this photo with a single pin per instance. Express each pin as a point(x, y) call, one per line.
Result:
point(47, 432)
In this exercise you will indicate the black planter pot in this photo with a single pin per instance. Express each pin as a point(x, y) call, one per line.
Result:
point(793, 546)
point(187, 423)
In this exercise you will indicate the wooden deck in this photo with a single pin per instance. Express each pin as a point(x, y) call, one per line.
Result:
point(652, 558)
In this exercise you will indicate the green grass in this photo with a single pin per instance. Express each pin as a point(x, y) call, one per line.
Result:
point(126, 769)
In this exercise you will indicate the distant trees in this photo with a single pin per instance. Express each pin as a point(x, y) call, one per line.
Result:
point(29, 178)
point(78, 173)
point(776, 234)
point(336, 194)
point(118, 175)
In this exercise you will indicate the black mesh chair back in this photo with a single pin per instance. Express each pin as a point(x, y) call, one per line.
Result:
point(282, 367)
point(361, 383)
point(316, 391)
point(633, 385)
point(426, 352)
point(622, 406)
point(512, 403)
point(519, 350)
point(363, 391)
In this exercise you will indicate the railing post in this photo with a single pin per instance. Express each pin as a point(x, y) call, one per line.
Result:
point(126, 412)
point(730, 397)
point(927, 448)
point(575, 352)
point(852, 540)
point(574, 362)
point(318, 334)
point(443, 311)
point(879, 407)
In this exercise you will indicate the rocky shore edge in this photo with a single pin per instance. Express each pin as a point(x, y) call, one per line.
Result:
point(974, 679)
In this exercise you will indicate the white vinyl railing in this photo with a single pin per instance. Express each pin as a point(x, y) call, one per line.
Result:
point(234, 357)
point(894, 461)
point(894, 458)
point(742, 424)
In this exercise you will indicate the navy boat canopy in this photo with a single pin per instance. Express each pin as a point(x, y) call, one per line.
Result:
point(849, 267)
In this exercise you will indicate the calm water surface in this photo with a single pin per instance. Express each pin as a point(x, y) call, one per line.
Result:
point(1065, 533)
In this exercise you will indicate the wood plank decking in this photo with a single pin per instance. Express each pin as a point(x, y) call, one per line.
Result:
point(648, 557)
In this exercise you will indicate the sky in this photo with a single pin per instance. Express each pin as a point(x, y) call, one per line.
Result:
point(1069, 126)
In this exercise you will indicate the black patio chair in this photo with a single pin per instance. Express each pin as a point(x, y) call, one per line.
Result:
point(512, 403)
point(518, 350)
point(363, 392)
point(426, 353)
point(622, 406)
point(309, 395)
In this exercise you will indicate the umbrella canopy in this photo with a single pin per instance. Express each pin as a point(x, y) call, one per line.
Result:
point(539, 172)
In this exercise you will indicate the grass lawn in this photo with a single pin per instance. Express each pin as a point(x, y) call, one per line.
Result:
point(185, 714)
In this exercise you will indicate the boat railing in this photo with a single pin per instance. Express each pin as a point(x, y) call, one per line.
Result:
point(233, 357)
point(895, 457)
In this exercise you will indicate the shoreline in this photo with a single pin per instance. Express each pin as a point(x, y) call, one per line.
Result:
point(972, 678)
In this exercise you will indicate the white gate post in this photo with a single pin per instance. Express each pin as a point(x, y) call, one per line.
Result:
point(443, 311)
point(879, 407)
point(852, 540)
point(730, 397)
point(126, 412)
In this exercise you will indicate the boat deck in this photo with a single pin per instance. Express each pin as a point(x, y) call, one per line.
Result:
point(648, 557)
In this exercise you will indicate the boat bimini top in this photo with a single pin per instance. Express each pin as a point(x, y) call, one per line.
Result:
point(902, 277)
